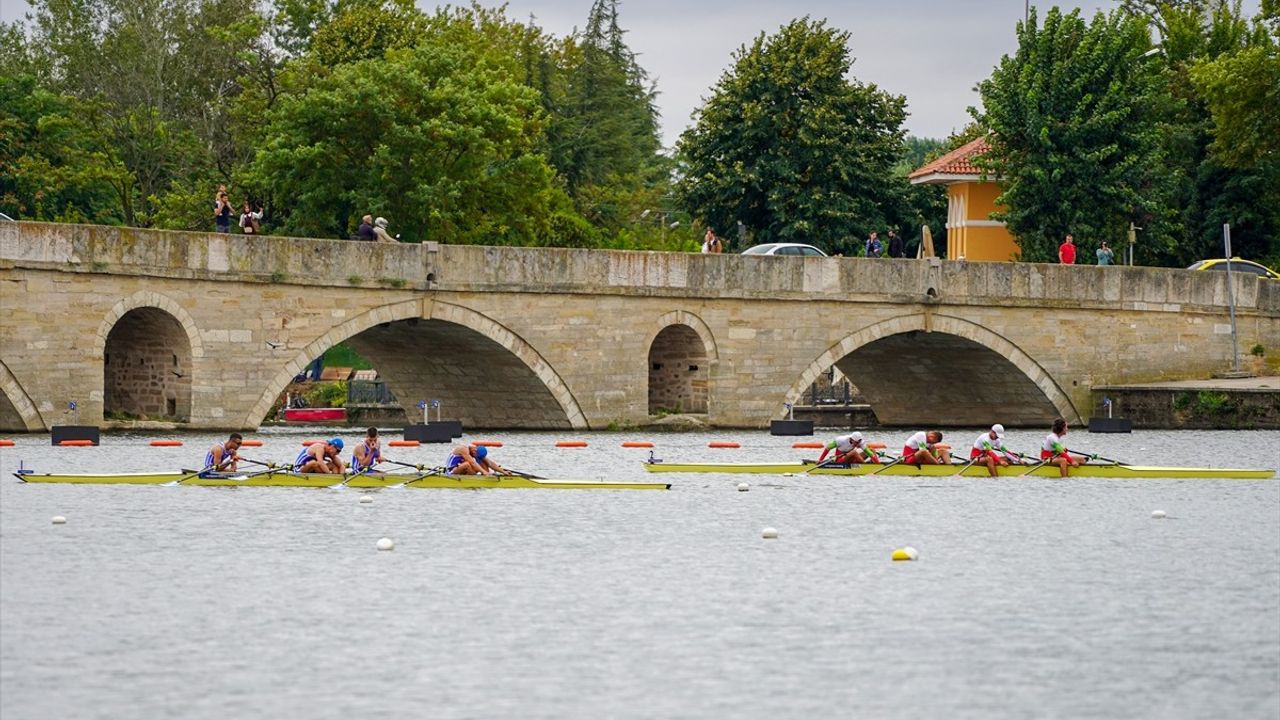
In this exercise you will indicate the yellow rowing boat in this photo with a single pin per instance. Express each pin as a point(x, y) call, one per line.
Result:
point(1087, 470)
point(288, 478)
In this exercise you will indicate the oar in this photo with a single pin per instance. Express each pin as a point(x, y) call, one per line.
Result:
point(531, 476)
point(885, 467)
point(421, 474)
point(1031, 470)
point(403, 464)
point(181, 480)
point(1087, 457)
point(815, 466)
point(258, 462)
point(350, 477)
point(968, 465)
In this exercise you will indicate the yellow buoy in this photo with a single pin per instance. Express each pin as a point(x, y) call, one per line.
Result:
point(905, 553)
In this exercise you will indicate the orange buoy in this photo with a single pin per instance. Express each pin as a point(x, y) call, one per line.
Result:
point(251, 443)
point(76, 443)
point(487, 443)
point(404, 443)
point(876, 445)
point(571, 443)
point(5, 442)
point(813, 445)
point(309, 443)
point(722, 444)
point(637, 444)
point(166, 443)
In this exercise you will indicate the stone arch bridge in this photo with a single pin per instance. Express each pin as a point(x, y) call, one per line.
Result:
point(208, 329)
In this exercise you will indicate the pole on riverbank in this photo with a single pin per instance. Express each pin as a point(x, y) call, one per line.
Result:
point(1231, 299)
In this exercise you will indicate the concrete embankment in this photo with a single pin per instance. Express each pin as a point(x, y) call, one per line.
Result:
point(1222, 404)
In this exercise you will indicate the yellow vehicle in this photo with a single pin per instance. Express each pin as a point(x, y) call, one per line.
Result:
point(1247, 267)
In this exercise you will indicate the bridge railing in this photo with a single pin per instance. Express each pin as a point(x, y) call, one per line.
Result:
point(464, 268)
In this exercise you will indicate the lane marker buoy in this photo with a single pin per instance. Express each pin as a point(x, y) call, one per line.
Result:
point(404, 443)
point(807, 444)
point(386, 544)
point(637, 444)
point(166, 443)
point(905, 554)
point(571, 443)
point(487, 443)
point(769, 533)
point(59, 520)
point(251, 443)
point(365, 499)
point(723, 444)
point(1158, 515)
point(76, 443)
point(743, 487)
point(6, 442)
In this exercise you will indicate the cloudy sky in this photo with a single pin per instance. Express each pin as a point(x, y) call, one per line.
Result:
point(932, 51)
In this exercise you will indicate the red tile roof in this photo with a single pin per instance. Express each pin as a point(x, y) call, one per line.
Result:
point(956, 162)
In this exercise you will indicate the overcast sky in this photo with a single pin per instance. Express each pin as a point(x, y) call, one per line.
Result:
point(932, 51)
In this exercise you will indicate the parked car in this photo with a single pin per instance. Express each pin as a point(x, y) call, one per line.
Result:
point(6, 218)
point(1248, 267)
point(785, 249)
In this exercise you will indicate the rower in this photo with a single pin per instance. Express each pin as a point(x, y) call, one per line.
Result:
point(368, 453)
point(324, 458)
point(849, 449)
point(991, 450)
point(1053, 452)
point(222, 457)
point(923, 449)
point(472, 460)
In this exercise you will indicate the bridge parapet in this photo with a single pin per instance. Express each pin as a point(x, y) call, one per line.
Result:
point(467, 268)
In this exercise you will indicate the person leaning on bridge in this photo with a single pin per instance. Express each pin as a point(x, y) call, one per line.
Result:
point(896, 246)
point(380, 231)
point(1067, 251)
point(365, 232)
point(1105, 255)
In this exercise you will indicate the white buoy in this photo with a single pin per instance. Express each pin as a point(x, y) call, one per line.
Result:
point(366, 499)
point(743, 487)
point(59, 520)
point(769, 533)
point(1158, 514)
point(386, 544)
point(907, 553)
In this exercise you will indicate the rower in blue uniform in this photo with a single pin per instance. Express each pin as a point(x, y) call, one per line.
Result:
point(222, 457)
point(321, 458)
point(472, 460)
point(368, 453)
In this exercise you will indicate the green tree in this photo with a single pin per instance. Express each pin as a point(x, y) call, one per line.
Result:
point(438, 138)
point(1078, 139)
point(792, 148)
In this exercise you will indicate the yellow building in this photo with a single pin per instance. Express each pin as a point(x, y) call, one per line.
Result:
point(971, 233)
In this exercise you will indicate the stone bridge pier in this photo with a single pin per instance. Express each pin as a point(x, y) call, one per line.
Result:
point(207, 330)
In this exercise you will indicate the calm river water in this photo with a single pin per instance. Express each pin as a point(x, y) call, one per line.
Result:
point(1031, 598)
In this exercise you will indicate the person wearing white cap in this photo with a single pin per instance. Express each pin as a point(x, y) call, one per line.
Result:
point(380, 231)
point(990, 448)
point(849, 450)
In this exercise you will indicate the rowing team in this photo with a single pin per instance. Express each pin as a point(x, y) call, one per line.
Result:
point(926, 448)
point(326, 457)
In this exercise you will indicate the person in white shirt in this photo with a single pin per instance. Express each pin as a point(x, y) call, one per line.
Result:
point(849, 449)
point(924, 448)
point(1054, 452)
point(990, 449)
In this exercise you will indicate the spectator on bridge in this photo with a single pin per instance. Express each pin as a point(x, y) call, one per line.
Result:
point(366, 229)
point(897, 248)
point(250, 221)
point(1067, 251)
point(1105, 255)
point(711, 242)
point(874, 247)
point(222, 211)
point(380, 231)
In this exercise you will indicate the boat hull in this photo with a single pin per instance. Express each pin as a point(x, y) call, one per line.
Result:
point(900, 470)
point(291, 479)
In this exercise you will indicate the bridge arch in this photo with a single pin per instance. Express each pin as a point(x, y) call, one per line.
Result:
point(393, 323)
point(999, 353)
point(17, 412)
point(148, 344)
point(680, 350)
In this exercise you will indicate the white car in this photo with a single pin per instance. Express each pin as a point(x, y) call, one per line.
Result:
point(6, 218)
point(785, 249)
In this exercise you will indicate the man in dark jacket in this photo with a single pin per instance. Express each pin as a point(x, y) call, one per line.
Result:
point(896, 249)
point(366, 229)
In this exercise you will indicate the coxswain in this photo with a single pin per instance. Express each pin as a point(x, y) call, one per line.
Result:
point(472, 460)
point(923, 449)
point(1053, 452)
point(849, 449)
point(324, 458)
point(990, 449)
point(368, 453)
point(222, 457)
